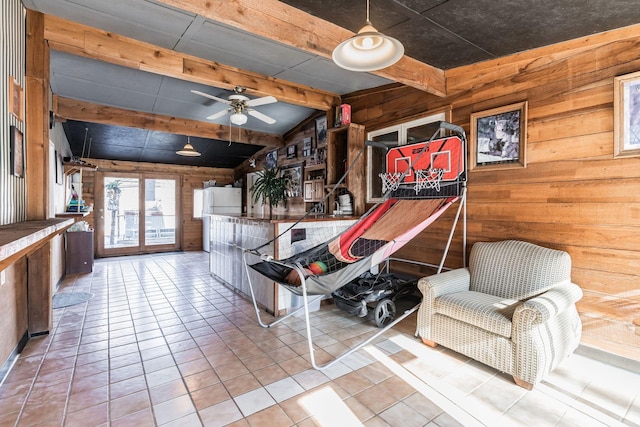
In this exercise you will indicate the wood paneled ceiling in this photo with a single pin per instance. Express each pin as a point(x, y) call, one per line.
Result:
point(128, 63)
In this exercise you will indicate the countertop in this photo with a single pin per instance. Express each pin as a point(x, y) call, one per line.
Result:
point(288, 218)
point(20, 238)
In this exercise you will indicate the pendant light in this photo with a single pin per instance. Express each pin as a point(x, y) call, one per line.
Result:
point(369, 50)
point(188, 150)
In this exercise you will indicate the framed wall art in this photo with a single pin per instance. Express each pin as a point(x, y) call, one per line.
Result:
point(499, 138)
point(306, 147)
point(271, 160)
point(321, 130)
point(291, 151)
point(17, 152)
point(16, 99)
point(294, 172)
point(626, 115)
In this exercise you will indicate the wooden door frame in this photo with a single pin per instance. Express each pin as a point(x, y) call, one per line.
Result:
point(142, 248)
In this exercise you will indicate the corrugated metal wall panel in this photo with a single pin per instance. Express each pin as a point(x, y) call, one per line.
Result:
point(13, 198)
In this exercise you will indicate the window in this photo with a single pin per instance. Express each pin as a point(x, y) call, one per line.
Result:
point(198, 198)
point(404, 133)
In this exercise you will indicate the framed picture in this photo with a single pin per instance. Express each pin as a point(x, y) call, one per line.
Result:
point(271, 160)
point(321, 130)
point(306, 146)
point(16, 101)
point(626, 115)
point(291, 151)
point(17, 152)
point(499, 138)
point(294, 172)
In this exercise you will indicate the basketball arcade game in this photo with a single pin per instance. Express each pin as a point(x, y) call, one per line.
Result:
point(422, 180)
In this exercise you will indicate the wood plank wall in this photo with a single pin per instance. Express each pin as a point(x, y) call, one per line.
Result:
point(13, 190)
point(573, 195)
point(295, 205)
point(190, 178)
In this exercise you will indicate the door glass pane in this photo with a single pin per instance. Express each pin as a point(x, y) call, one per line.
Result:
point(160, 211)
point(376, 164)
point(121, 199)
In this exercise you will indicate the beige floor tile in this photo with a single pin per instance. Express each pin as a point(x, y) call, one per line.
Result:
point(402, 414)
point(201, 379)
point(269, 374)
point(241, 384)
point(128, 386)
point(173, 409)
point(194, 366)
point(221, 414)
point(271, 417)
point(209, 396)
point(129, 404)
point(167, 391)
point(231, 370)
point(137, 419)
point(88, 398)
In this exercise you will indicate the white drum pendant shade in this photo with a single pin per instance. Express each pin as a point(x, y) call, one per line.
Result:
point(368, 50)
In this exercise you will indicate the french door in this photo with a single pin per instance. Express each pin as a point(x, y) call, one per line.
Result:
point(136, 213)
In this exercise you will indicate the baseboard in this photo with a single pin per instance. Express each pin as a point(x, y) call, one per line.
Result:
point(609, 358)
point(6, 368)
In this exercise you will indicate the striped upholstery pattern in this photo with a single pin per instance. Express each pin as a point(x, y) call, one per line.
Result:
point(497, 267)
point(513, 308)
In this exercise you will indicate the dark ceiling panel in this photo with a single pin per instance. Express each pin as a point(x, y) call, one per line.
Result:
point(139, 145)
point(503, 28)
point(421, 37)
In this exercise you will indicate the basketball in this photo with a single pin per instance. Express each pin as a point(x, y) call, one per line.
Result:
point(318, 267)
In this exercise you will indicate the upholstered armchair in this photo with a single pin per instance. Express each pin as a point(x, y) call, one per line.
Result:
point(513, 309)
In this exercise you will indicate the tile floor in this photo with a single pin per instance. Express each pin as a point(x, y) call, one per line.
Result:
point(162, 343)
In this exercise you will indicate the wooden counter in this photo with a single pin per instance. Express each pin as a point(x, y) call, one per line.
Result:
point(230, 235)
point(32, 239)
point(22, 238)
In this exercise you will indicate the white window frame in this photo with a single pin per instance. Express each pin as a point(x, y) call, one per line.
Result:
point(401, 129)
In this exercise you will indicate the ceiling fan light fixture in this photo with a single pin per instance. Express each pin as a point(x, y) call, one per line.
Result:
point(188, 150)
point(369, 50)
point(238, 119)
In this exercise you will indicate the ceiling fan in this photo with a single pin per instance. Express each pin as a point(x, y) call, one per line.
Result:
point(239, 104)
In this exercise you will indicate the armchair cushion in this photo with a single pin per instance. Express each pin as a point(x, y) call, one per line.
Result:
point(516, 270)
point(485, 311)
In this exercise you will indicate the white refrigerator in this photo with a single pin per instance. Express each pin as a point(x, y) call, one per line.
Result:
point(219, 200)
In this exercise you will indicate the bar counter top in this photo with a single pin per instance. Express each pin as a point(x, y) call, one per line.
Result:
point(288, 218)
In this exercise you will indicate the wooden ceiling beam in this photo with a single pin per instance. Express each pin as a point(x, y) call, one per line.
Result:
point(72, 109)
point(77, 39)
point(277, 21)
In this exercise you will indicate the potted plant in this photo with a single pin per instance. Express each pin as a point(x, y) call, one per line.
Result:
point(270, 187)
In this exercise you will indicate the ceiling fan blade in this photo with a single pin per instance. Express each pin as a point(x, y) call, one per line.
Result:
point(261, 101)
point(218, 114)
point(206, 95)
point(260, 116)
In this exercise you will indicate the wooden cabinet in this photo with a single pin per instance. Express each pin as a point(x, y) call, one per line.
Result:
point(345, 148)
point(79, 257)
point(314, 190)
point(314, 183)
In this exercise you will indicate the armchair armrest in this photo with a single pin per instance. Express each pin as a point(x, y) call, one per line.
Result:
point(548, 304)
point(457, 280)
